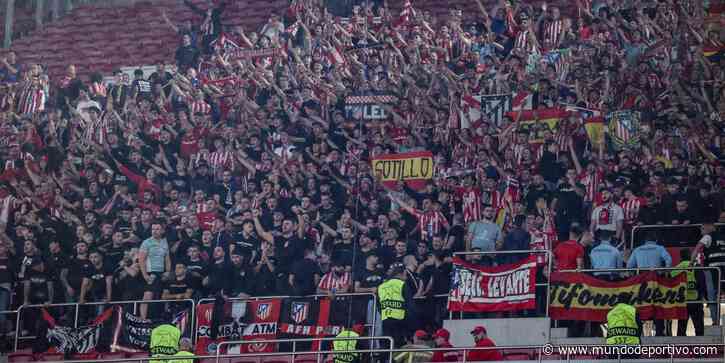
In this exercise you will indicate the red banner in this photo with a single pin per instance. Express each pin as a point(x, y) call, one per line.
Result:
point(253, 320)
point(487, 289)
point(578, 296)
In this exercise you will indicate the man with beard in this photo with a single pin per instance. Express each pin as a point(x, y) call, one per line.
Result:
point(484, 234)
point(179, 287)
point(608, 216)
point(336, 281)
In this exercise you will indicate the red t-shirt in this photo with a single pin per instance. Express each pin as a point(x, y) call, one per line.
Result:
point(445, 355)
point(566, 254)
point(484, 355)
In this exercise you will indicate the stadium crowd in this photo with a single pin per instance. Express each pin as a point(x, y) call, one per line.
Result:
point(247, 176)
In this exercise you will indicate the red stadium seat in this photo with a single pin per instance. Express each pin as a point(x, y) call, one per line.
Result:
point(49, 357)
point(277, 359)
point(20, 357)
point(114, 355)
point(516, 356)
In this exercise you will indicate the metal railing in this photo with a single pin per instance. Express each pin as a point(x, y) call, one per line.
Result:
point(257, 298)
point(635, 229)
point(300, 340)
point(647, 269)
point(550, 259)
point(538, 350)
point(76, 306)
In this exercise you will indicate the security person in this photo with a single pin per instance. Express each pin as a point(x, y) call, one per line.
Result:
point(394, 297)
point(623, 326)
point(694, 309)
point(164, 341)
point(185, 350)
point(347, 344)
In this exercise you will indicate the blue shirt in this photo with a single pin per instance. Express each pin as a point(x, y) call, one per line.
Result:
point(605, 256)
point(649, 254)
point(485, 235)
point(156, 252)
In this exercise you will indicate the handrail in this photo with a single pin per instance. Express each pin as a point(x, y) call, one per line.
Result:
point(294, 342)
point(538, 348)
point(646, 269)
point(550, 259)
point(255, 298)
point(110, 303)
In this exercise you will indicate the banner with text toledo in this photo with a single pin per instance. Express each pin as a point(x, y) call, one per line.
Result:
point(486, 289)
point(414, 168)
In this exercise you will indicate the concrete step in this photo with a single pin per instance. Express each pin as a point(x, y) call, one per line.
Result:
point(558, 333)
point(716, 331)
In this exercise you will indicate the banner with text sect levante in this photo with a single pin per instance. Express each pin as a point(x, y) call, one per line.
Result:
point(414, 168)
point(493, 289)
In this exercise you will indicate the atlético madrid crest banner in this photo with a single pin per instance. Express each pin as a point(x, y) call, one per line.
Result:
point(578, 296)
point(488, 289)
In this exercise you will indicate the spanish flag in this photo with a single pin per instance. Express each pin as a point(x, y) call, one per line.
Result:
point(537, 121)
point(713, 52)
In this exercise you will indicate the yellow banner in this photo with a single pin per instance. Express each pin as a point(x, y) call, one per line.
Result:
point(403, 167)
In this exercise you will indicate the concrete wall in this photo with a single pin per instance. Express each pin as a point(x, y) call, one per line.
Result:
point(523, 331)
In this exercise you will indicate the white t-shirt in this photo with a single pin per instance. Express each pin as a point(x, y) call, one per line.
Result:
point(606, 217)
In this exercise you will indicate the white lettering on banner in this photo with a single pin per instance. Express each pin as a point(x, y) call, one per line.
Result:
point(514, 283)
point(493, 288)
point(260, 329)
point(470, 284)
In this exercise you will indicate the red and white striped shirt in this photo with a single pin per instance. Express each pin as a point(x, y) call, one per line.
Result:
point(523, 42)
point(430, 223)
point(631, 209)
point(330, 281)
point(540, 241)
point(591, 182)
point(552, 33)
point(472, 203)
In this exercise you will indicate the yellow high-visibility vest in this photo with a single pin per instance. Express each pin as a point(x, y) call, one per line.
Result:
point(392, 302)
point(622, 328)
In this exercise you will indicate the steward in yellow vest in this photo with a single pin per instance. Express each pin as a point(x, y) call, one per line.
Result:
point(695, 309)
point(164, 341)
point(347, 344)
point(623, 327)
point(394, 296)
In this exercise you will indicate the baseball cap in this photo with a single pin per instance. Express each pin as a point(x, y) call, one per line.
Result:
point(478, 330)
point(422, 334)
point(442, 333)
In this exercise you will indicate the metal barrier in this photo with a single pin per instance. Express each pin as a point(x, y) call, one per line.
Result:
point(646, 269)
point(540, 351)
point(295, 341)
point(77, 306)
point(255, 298)
point(550, 260)
point(636, 229)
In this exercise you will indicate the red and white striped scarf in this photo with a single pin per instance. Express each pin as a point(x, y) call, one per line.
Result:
point(221, 159)
point(199, 106)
